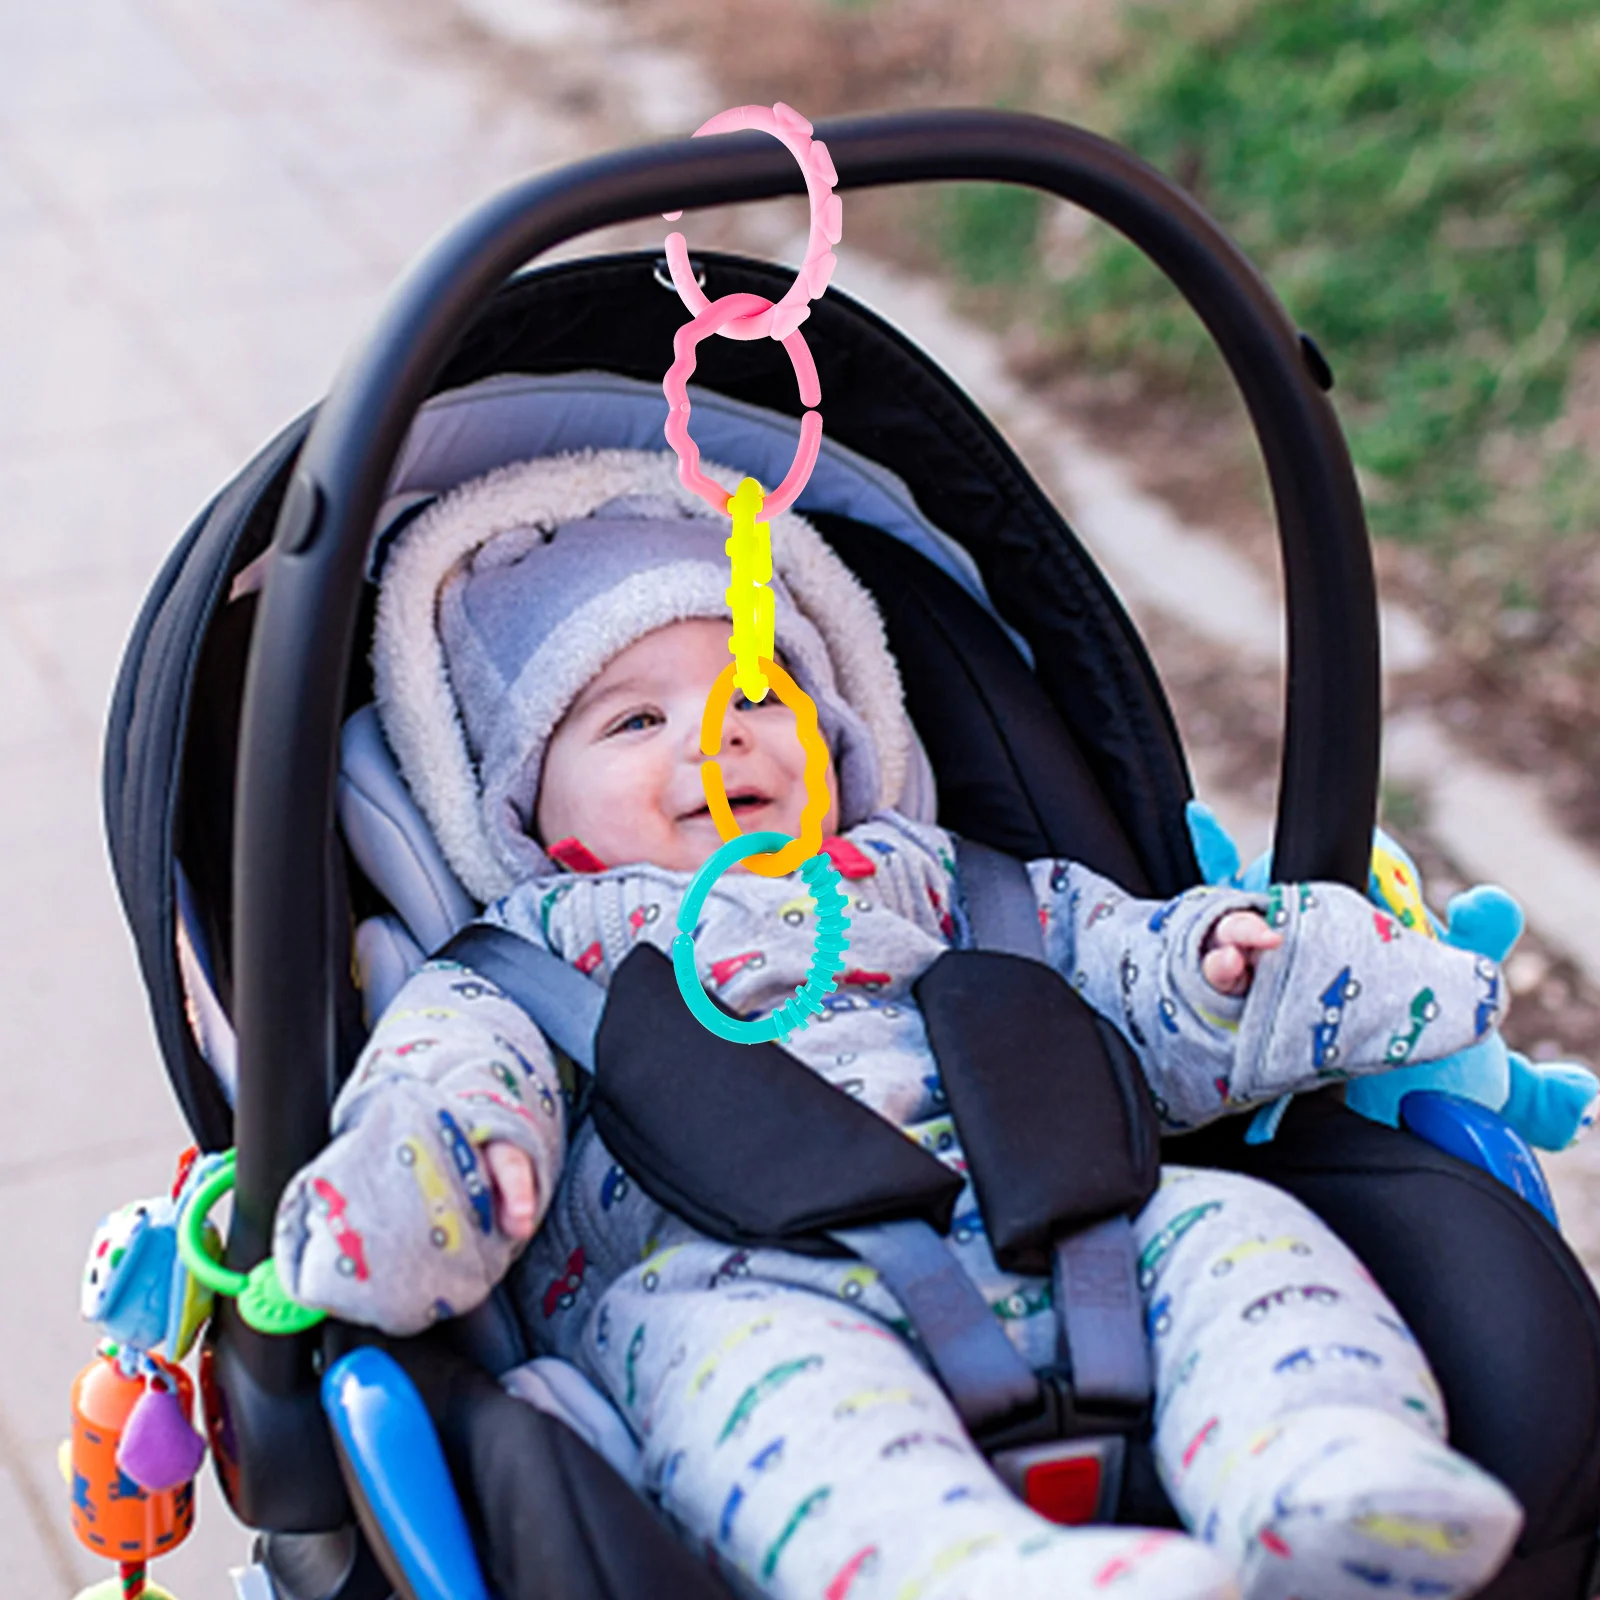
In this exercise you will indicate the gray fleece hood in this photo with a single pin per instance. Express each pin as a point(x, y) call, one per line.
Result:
point(509, 593)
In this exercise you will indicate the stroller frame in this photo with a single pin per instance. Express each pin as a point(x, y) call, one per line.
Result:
point(284, 934)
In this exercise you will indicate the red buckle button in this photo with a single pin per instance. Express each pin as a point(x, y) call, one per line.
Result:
point(1064, 1491)
point(848, 861)
point(575, 856)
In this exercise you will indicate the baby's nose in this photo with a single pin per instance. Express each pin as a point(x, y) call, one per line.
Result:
point(735, 731)
point(735, 738)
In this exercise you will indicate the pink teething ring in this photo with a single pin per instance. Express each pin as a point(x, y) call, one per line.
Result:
point(786, 125)
point(751, 316)
point(685, 342)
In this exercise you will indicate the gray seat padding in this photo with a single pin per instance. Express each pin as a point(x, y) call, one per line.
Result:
point(395, 849)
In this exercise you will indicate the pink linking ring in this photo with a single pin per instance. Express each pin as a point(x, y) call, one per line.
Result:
point(790, 129)
point(751, 316)
point(685, 342)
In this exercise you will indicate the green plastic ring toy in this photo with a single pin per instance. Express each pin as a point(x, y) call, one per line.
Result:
point(822, 879)
point(191, 1240)
point(264, 1303)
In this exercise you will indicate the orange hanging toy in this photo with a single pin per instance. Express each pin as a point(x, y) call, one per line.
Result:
point(111, 1514)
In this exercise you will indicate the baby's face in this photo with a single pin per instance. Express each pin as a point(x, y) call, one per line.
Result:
point(622, 770)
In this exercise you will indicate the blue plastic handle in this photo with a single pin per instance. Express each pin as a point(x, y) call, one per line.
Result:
point(389, 1440)
point(1474, 1133)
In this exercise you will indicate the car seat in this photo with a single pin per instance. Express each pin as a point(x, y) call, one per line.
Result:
point(1045, 731)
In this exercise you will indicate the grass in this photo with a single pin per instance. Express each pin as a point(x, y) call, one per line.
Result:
point(990, 232)
point(1420, 181)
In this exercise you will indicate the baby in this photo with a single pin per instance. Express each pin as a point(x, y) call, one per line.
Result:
point(546, 640)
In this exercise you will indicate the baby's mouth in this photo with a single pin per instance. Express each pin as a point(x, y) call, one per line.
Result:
point(739, 800)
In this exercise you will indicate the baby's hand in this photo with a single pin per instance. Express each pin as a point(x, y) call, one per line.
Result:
point(393, 1224)
point(1231, 949)
point(516, 1188)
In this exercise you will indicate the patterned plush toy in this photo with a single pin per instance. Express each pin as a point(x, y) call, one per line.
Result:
point(1550, 1103)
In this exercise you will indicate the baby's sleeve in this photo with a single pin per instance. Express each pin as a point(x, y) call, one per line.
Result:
point(1352, 992)
point(1349, 992)
point(909, 868)
point(1137, 962)
point(393, 1223)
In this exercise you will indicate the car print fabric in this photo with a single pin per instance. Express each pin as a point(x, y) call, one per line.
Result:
point(786, 1420)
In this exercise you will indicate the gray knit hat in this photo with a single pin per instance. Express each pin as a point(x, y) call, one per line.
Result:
point(503, 599)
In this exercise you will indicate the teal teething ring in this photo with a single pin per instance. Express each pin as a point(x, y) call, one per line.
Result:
point(264, 1303)
point(827, 953)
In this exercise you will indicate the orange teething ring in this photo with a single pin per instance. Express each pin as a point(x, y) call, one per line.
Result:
point(776, 863)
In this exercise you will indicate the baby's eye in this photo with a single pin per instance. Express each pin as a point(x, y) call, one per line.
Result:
point(634, 722)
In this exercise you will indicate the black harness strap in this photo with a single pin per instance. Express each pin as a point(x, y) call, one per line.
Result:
point(748, 1144)
point(1056, 1123)
point(1048, 1100)
point(565, 1004)
point(1002, 912)
point(986, 1378)
point(744, 1141)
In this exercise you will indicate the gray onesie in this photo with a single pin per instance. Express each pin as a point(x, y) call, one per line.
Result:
point(786, 1420)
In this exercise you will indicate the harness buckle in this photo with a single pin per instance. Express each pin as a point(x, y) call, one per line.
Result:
point(1069, 1481)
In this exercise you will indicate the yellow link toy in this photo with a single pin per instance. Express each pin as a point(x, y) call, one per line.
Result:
point(750, 601)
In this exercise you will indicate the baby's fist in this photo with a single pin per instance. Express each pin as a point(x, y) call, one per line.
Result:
point(1231, 949)
point(393, 1223)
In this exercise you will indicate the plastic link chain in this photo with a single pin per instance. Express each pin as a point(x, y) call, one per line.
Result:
point(750, 603)
point(750, 316)
point(807, 732)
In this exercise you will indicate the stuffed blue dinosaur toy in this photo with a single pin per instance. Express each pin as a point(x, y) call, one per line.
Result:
point(1550, 1103)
